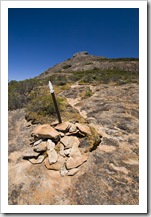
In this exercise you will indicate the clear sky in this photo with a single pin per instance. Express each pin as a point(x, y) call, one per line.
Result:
point(41, 38)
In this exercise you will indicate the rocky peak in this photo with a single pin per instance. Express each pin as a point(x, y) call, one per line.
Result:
point(79, 54)
point(83, 61)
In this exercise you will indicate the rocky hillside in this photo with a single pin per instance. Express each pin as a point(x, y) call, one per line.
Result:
point(110, 174)
point(92, 158)
point(82, 61)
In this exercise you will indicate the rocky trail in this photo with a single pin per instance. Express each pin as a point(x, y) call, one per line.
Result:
point(111, 173)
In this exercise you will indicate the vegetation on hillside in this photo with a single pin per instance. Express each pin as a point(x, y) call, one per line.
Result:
point(34, 95)
point(118, 59)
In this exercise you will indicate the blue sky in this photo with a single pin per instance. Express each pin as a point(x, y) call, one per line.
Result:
point(41, 38)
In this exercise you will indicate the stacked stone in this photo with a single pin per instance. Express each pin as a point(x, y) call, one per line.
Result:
point(63, 147)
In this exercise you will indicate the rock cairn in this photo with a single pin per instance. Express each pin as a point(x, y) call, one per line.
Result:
point(63, 147)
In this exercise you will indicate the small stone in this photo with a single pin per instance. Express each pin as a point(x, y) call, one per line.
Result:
point(52, 156)
point(62, 127)
point(76, 161)
point(46, 131)
point(63, 171)
point(84, 128)
point(41, 147)
point(69, 141)
point(50, 145)
point(72, 172)
point(62, 134)
point(65, 152)
point(72, 128)
point(39, 160)
point(37, 142)
point(56, 166)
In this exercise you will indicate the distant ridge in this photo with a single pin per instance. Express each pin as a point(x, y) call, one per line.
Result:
point(82, 61)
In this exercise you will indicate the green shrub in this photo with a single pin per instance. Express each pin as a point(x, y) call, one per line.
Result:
point(86, 93)
point(19, 92)
point(41, 107)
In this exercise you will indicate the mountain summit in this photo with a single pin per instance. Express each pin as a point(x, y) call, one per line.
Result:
point(83, 61)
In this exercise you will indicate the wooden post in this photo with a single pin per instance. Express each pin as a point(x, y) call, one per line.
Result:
point(55, 102)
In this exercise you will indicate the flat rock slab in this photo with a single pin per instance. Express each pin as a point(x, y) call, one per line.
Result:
point(63, 127)
point(84, 128)
point(46, 131)
point(69, 141)
point(76, 161)
point(30, 154)
point(37, 142)
point(73, 171)
point(50, 145)
point(56, 166)
point(39, 160)
point(75, 152)
point(41, 147)
point(52, 156)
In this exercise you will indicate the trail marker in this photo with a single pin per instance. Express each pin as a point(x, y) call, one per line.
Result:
point(55, 102)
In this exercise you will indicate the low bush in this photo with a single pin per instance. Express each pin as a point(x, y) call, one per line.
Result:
point(19, 92)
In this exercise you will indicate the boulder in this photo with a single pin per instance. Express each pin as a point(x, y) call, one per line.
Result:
point(46, 131)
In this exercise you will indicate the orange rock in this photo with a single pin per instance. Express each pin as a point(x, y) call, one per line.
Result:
point(69, 141)
point(63, 126)
point(46, 131)
point(83, 128)
point(76, 161)
point(56, 166)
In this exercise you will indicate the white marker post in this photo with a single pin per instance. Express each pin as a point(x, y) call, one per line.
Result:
point(55, 102)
